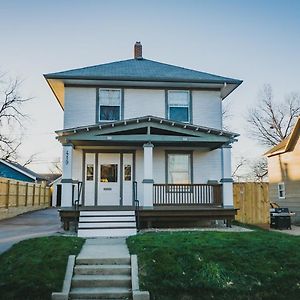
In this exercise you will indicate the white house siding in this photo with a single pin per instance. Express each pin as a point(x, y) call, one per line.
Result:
point(207, 166)
point(139, 173)
point(143, 102)
point(77, 165)
point(207, 109)
point(80, 106)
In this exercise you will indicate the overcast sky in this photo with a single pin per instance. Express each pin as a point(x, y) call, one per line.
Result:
point(256, 41)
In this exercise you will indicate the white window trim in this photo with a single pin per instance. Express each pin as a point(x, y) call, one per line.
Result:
point(281, 190)
point(188, 105)
point(99, 104)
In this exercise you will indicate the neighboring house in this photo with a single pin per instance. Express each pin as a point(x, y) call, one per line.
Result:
point(13, 170)
point(56, 191)
point(284, 172)
point(145, 130)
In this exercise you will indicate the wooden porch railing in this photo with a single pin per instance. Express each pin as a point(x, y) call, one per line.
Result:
point(186, 194)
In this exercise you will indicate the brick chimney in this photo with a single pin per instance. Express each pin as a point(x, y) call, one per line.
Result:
point(138, 50)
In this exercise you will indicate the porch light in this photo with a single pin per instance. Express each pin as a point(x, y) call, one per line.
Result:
point(208, 131)
point(197, 129)
point(112, 125)
point(160, 121)
point(149, 119)
point(173, 124)
point(87, 129)
point(100, 127)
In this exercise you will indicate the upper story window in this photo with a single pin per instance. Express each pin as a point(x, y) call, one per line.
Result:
point(179, 106)
point(281, 190)
point(109, 104)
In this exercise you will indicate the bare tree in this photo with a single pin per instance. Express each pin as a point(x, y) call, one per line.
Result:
point(56, 166)
point(31, 159)
point(241, 162)
point(11, 116)
point(272, 122)
point(260, 169)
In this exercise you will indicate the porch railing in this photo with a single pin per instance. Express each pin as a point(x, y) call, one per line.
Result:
point(187, 194)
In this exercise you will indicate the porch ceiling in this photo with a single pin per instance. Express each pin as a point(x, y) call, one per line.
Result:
point(138, 131)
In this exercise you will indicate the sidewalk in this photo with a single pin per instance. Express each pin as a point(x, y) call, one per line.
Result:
point(103, 248)
point(29, 225)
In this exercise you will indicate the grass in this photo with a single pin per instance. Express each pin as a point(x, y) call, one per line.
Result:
point(34, 268)
point(218, 265)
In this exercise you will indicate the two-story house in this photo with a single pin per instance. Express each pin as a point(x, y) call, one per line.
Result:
point(142, 130)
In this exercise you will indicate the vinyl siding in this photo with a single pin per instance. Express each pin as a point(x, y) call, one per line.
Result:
point(286, 168)
point(207, 109)
point(80, 106)
point(77, 164)
point(143, 102)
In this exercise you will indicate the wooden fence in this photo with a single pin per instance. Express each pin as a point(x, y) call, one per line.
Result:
point(252, 200)
point(19, 196)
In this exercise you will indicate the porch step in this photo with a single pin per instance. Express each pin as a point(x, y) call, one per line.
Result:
point(106, 223)
point(107, 213)
point(103, 262)
point(105, 218)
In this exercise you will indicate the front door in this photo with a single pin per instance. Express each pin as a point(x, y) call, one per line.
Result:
point(109, 179)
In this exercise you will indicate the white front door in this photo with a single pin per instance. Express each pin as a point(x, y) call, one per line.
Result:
point(109, 179)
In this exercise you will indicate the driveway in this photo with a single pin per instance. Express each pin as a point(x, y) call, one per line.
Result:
point(29, 225)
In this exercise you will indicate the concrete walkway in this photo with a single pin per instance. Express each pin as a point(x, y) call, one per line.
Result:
point(294, 231)
point(29, 225)
point(103, 248)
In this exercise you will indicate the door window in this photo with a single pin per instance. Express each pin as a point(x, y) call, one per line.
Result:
point(90, 172)
point(127, 172)
point(109, 173)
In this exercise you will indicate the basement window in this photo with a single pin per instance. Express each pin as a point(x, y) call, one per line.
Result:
point(281, 190)
point(109, 104)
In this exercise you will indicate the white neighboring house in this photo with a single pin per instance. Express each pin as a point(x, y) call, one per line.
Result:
point(142, 130)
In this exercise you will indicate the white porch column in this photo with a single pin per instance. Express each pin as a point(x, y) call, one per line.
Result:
point(67, 182)
point(148, 175)
point(227, 177)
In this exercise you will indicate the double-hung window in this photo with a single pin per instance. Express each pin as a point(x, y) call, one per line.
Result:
point(109, 104)
point(281, 190)
point(179, 168)
point(178, 106)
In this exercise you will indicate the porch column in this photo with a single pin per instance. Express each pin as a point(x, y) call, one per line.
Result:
point(227, 177)
point(67, 182)
point(148, 175)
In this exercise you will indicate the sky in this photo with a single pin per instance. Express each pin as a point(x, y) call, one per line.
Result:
point(256, 41)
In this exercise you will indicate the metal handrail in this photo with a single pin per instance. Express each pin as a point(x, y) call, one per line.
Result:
point(136, 205)
point(76, 203)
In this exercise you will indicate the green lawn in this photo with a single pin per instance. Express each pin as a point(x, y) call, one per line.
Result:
point(34, 268)
point(218, 265)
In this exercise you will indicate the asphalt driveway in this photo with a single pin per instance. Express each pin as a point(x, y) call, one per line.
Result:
point(29, 225)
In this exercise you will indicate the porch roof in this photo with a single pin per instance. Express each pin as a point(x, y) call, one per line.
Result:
point(145, 129)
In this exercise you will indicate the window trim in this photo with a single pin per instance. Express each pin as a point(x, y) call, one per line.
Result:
point(98, 104)
point(189, 152)
point(189, 105)
point(281, 190)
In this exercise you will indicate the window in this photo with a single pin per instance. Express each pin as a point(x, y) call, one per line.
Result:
point(178, 106)
point(179, 169)
point(127, 172)
point(109, 173)
point(90, 172)
point(281, 190)
point(109, 104)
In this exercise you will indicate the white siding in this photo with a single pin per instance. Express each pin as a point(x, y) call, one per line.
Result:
point(80, 106)
point(139, 173)
point(207, 166)
point(207, 109)
point(77, 165)
point(143, 102)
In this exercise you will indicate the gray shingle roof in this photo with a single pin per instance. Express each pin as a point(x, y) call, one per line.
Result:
point(141, 70)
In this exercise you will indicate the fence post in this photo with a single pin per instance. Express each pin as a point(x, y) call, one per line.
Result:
point(17, 195)
point(33, 194)
point(26, 193)
point(45, 189)
point(40, 194)
point(7, 194)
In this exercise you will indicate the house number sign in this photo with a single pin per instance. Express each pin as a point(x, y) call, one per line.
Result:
point(67, 157)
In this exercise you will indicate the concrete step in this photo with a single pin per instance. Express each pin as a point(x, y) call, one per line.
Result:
point(108, 232)
point(107, 225)
point(108, 213)
point(103, 261)
point(102, 270)
point(101, 281)
point(100, 293)
point(106, 218)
